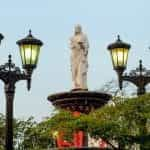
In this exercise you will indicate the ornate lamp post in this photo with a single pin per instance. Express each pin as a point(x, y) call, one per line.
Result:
point(140, 77)
point(10, 74)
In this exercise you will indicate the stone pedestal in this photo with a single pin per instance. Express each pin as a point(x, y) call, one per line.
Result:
point(82, 101)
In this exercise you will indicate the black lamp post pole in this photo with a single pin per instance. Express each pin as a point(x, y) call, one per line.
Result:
point(9, 91)
point(10, 74)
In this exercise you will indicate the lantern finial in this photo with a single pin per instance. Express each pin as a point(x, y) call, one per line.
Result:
point(140, 65)
point(30, 33)
point(9, 58)
point(118, 38)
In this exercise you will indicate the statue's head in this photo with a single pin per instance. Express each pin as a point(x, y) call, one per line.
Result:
point(78, 29)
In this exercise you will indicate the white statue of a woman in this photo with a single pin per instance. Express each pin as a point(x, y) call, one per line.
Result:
point(79, 64)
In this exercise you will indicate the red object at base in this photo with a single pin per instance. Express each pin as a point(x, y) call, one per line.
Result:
point(78, 139)
point(61, 142)
point(76, 114)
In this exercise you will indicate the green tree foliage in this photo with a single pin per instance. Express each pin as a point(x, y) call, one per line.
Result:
point(2, 131)
point(123, 125)
point(126, 123)
point(37, 137)
point(28, 134)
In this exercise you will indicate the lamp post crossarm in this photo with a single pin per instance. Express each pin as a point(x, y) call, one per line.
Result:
point(139, 77)
point(137, 80)
point(9, 73)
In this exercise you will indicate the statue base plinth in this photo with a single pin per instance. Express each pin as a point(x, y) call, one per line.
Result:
point(79, 89)
point(80, 100)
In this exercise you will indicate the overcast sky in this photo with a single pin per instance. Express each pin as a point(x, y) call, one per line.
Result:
point(53, 22)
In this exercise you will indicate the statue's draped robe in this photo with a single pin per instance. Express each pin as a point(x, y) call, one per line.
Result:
point(79, 64)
